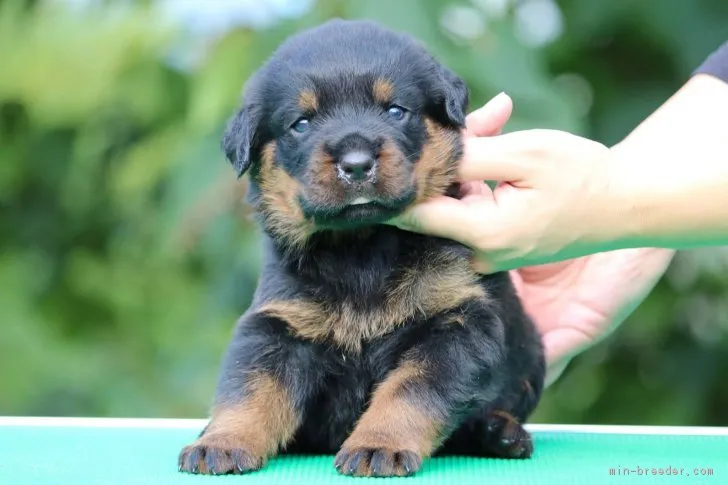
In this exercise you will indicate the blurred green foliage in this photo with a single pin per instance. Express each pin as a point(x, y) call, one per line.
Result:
point(127, 255)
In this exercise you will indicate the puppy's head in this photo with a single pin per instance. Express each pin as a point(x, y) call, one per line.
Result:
point(346, 125)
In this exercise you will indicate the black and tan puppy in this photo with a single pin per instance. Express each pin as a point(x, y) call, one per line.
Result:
point(380, 345)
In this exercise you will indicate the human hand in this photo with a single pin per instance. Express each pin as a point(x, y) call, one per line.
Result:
point(553, 201)
point(577, 303)
point(573, 303)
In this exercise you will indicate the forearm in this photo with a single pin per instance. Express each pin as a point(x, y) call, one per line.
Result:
point(670, 175)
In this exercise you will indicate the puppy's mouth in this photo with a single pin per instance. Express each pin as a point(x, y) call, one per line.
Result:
point(361, 201)
point(360, 214)
point(359, 211)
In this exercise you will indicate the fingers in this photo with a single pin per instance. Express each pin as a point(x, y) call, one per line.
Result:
point(520, 156)
point(495, 159)
point(561, 345)
point(442, 217)
point(490, 119)
point(564, 342)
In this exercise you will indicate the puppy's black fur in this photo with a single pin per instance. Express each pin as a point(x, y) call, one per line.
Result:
point(380, 345)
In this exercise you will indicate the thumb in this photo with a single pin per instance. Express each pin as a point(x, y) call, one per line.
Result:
point(490, 118)
point(565, 342)
point(561, 345)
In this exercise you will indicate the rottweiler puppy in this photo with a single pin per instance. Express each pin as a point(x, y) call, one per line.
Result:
point(380, 345)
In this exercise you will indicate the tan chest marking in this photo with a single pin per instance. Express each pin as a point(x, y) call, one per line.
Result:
point(437, 285)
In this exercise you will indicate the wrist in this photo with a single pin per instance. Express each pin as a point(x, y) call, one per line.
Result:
point(630, 196)
point(612, 220)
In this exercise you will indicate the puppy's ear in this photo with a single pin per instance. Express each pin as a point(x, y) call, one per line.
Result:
point(452, 98)
point(240, 141)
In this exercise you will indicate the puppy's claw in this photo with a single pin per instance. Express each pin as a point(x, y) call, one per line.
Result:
point(381, 462)
point(410, 461)
point(210, 463)
point(377, 462)
point(507, 441)
point(211, 459)
point(355, 461)
point(340, 460)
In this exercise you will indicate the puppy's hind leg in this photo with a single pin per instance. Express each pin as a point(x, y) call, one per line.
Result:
point(503, 433)
point(497, 429)
point(495, 426)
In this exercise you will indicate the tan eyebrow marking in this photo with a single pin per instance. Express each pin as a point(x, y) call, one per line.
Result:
point(383, 91)
point(307, 100)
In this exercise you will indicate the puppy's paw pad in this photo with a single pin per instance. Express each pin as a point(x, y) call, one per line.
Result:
point(210, 459)
point(377, 462)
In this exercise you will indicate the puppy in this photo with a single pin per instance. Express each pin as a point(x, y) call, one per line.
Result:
point(382, 346)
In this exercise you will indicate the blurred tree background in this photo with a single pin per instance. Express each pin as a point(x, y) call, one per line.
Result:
point(127, 254)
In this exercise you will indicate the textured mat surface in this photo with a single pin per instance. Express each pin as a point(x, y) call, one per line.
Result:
point(72, 455)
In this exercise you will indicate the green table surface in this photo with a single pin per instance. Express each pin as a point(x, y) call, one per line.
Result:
point(139, 451)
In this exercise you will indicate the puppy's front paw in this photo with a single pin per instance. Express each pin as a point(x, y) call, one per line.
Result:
point(218, 456)
point(377, 462)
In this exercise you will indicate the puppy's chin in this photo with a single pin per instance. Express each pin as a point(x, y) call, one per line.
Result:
point(359, 212)
point(359, 215)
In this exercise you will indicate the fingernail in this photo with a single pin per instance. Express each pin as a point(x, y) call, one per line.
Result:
point(497, 98)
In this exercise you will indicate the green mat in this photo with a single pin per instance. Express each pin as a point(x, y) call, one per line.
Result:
point(131, 452)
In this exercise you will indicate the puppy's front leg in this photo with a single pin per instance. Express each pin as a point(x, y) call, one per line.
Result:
point(241, 435)
point(266, 378)
point(424, 398)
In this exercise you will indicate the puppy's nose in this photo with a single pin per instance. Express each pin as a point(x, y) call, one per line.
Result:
point(357, 165)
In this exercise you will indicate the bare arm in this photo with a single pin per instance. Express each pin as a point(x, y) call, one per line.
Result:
point(672, 171)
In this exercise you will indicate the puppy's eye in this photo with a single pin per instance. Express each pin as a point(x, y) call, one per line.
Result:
point(396, 112)
point(301, 125)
